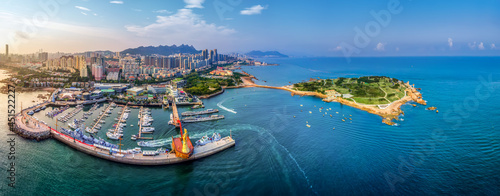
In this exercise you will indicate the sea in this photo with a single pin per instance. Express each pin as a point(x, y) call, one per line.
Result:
point(453, 152)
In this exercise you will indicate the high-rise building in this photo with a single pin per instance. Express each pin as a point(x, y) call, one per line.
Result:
point(43, 56)
point(204, 53)
point(83, 72)
point(97, 72)
point(6, 50)
point(215, 56)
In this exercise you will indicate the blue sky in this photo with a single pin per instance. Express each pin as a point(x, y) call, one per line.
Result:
point(298, 28)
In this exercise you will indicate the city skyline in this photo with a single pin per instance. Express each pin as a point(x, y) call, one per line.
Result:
point(387, 28)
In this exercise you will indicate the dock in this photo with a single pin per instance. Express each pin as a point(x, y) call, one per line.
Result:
point(100, 117)
point(120, 119)
point(175, 120)
point(139, 159)
point(139, 135)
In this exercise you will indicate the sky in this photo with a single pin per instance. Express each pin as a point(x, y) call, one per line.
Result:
point(297, 28)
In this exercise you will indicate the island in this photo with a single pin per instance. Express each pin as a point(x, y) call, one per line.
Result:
point(378, 95)
point(266, 54)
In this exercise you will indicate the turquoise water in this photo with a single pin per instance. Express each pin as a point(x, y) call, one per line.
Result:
point(455, 151)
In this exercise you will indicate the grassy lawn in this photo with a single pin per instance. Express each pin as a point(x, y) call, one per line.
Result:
point(370, 101)
point(366, 90)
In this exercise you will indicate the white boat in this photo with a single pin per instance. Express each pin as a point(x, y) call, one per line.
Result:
point(204, 140)
point(113, 136)
point(133, 137)
point(72, 125)
point(147, 129)
point(216, 137)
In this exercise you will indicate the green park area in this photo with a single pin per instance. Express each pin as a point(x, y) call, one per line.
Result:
point(365, 90)
point(199, 85)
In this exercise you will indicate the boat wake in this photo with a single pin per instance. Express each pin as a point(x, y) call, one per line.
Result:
point(260, 130)
point(224, 108)
point(296, 163)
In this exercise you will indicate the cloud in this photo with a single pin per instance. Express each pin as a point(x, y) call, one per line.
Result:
point(493, 46)
point(194, 3)
point(162, 11)
point(380, 47)
point(450, 42)
point(397, 49)
point(116, 2)
point(82, 8)
point(84, 13)
point(136, 10)
point(257, 9)
point(480, 46)
point(182, 27)
point(472, 45)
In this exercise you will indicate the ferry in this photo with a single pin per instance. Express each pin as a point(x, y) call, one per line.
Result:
point(192, 113)
point(205, 139)
point(198, 106)
point(201, 119)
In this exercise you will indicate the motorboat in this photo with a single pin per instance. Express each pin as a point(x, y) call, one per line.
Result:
point(147, 129)
point(204, 140)
point(216, 136)
point(113, 136)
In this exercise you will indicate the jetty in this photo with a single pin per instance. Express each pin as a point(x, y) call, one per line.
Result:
point(175, 119)
point(100, 118)
point(139, 135)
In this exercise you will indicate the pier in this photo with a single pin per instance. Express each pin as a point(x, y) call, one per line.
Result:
point(100, 117)
point(120, 119)
point(139, 135)
point(175, 113)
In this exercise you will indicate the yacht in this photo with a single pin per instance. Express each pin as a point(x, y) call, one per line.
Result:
point(113, 136)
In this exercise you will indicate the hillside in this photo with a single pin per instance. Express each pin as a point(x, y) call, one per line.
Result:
point(162, 50)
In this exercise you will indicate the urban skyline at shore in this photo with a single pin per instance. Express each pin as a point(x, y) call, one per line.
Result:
point(391, 28)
